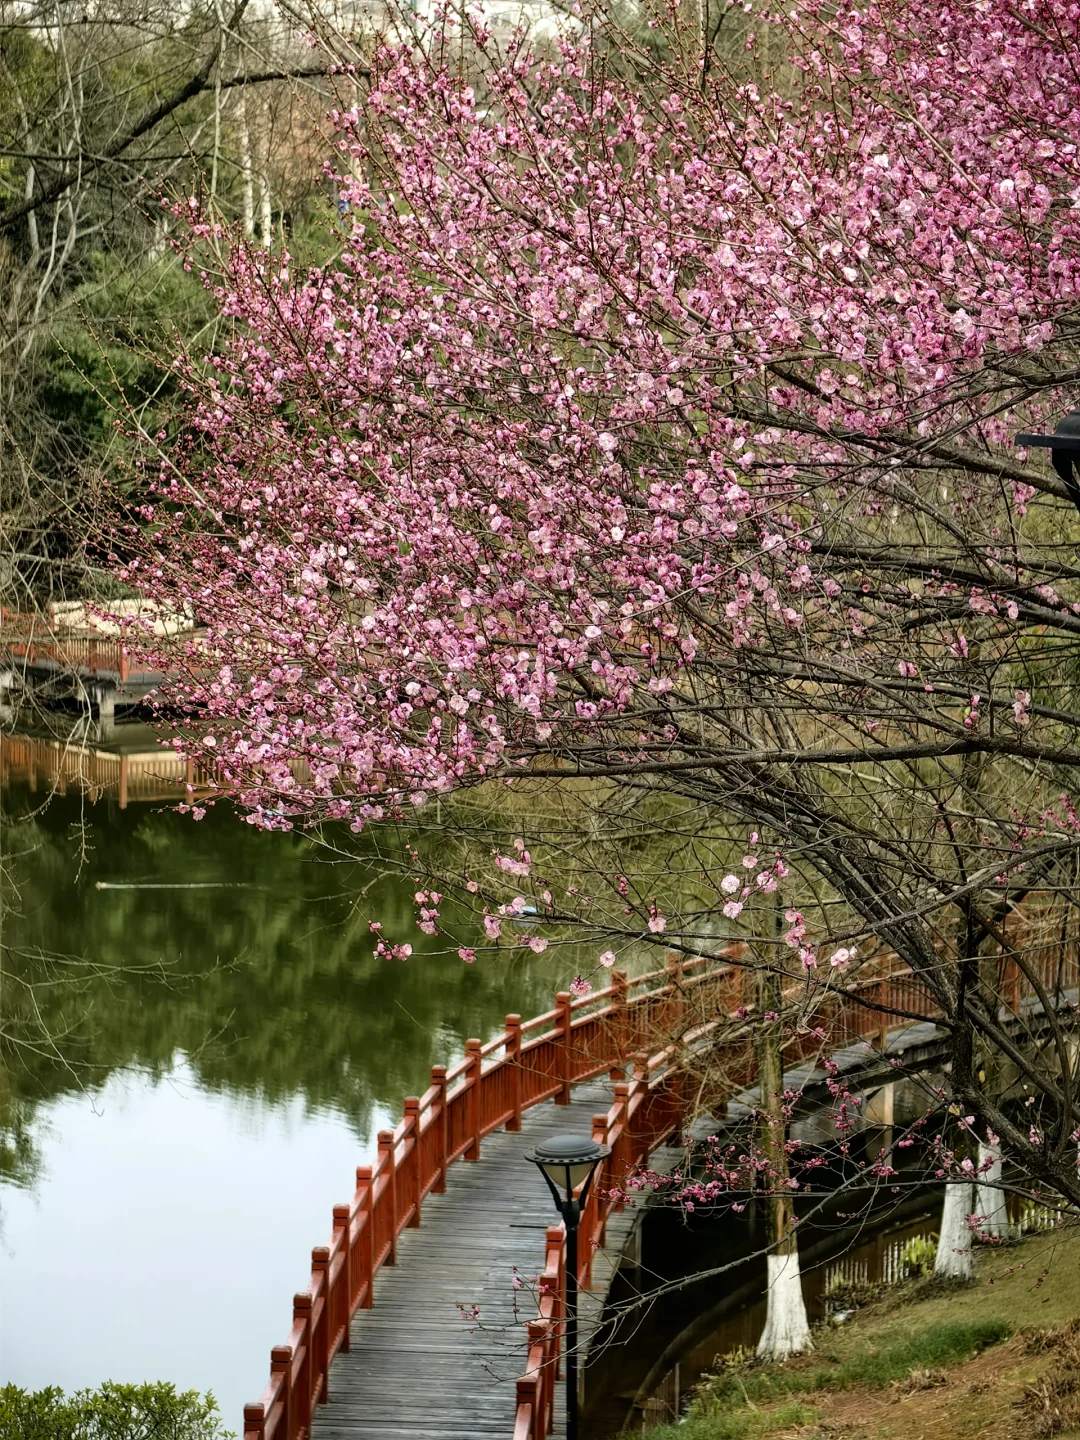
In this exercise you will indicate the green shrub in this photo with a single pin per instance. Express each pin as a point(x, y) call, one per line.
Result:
point(113, 1412)
point(918, 1256)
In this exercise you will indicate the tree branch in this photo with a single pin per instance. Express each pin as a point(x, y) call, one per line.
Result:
point(198, 84)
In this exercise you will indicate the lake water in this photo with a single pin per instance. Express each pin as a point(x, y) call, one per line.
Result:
point(190, 1077)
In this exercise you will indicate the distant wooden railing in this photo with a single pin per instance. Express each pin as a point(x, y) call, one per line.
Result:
point(87, 646)
point(30, 639)
point(539, 1060)
point(154, 775)
point(149, 775)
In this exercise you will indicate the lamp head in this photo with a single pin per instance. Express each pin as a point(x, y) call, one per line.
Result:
point(568, 1163)
point(1064, 447)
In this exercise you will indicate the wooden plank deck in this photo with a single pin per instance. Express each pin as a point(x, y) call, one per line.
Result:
point(416, 1370)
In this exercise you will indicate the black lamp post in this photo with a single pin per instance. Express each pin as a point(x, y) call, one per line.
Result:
point(568, 1164)
point(1064, 447)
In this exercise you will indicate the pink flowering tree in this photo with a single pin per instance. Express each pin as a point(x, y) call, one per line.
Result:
point(639, 472)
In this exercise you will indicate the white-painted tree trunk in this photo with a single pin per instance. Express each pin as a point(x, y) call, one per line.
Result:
point(953, 1260)
point(990, 1196)
point(787, 1330)
point(265, 212)
point(247, 173)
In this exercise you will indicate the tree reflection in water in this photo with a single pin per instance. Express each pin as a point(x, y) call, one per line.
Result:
point(266, 984)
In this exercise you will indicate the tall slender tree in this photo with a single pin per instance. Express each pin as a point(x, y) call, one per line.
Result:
point(103, 109)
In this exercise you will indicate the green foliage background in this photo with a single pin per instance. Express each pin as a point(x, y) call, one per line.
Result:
point(112, 1412)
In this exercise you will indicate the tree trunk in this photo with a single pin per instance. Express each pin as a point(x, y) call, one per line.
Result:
point(247, 187)
point(265, 213)
point(953, 1260)
point(990, 1197)
point(787, 1330)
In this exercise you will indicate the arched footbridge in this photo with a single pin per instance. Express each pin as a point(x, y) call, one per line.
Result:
point(412, 1326)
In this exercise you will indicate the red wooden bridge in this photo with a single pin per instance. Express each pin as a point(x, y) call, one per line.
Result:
point(413, 1367)
point(35, 643)
point(378, 1346)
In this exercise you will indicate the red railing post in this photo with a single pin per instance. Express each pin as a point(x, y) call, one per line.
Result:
point(620, 1023)
point(512, 1052)
point(563, 1023)
point(413, 1177)
point(343, 1239)
point(367, 1209)
point(527, 1396)
point(1012, 987)
point(302, 1406)
point(738, 987)
point(389, 1169)
point(555, 1244)
point(675, 1005)
point(539, 1332)
point(619, 1161)
point(440, 1123)
point(473, 1078)
point(281, 1364)
point(882, 1018)
point(601, 1183)
point(320, 1337)
point(255, 1422)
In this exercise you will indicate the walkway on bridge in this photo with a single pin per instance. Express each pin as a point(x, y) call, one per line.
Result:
point(416, 1370)
point(378, 1346)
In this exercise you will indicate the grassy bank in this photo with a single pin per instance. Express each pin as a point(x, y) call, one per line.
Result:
point(999, 1357)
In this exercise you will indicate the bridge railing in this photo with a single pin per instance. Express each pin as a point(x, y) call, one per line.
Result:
point(55, 764)
point(487, 1090)
point(541, 1059)
point(648, 1108)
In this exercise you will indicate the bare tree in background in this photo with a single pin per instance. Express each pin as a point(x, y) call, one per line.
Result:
point(105, 107)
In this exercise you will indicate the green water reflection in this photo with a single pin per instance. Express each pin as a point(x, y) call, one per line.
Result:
point(268, 984)
point(189, 1075)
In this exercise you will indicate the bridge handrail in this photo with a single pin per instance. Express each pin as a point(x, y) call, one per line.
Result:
point(541, 1059)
